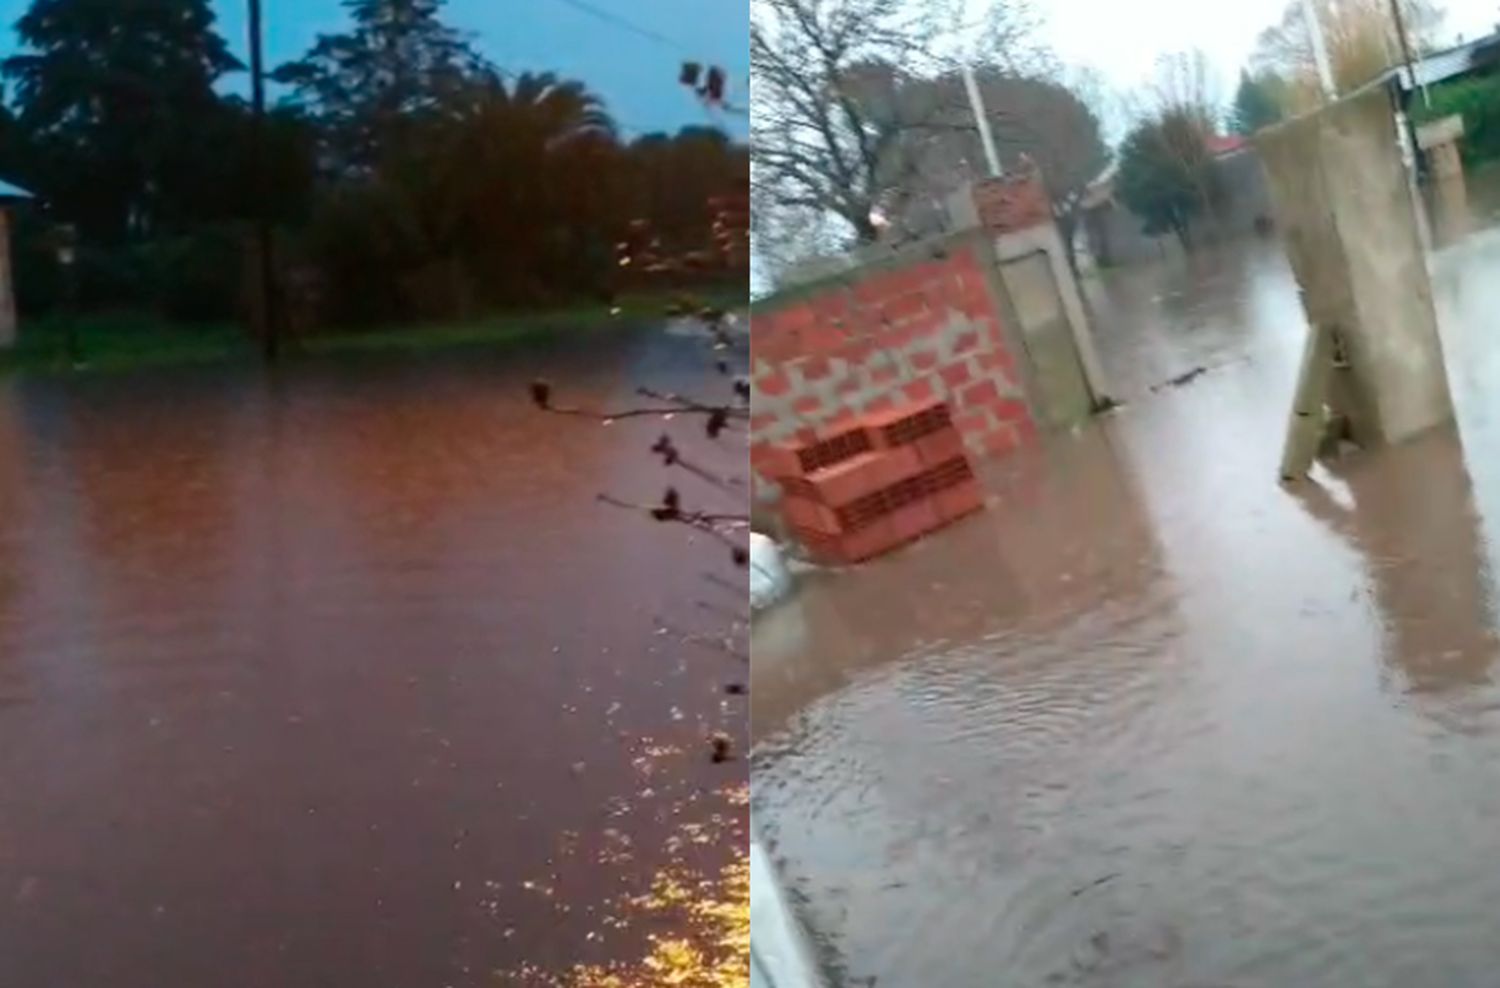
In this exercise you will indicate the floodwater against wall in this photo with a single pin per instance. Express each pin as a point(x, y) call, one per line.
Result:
point(1153, 719)
point(346, 679)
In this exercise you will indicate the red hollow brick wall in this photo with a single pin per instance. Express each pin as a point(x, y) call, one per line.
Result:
point(929, 329)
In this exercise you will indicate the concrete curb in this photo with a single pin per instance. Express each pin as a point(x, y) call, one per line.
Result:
point(780, 954)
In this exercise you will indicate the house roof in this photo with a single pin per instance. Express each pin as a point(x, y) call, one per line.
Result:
point(1220, 145)
point(1447, 63)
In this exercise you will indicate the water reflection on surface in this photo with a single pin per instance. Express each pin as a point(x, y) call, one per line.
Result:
point(1154, 719)
point(345, 678)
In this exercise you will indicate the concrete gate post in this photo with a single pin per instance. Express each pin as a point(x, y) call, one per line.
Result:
point(1340, 197)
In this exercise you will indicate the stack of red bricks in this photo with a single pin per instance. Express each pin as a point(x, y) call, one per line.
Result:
point(879, 482)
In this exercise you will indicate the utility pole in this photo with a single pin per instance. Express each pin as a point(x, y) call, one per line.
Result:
point(976, 104)
point(1404, 136)
point(265, 255)
point(1411, 68)
point(1320, 50)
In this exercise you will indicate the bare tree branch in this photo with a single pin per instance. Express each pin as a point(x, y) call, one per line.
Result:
point(828, 124)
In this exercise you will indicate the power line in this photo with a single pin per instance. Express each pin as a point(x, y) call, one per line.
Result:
point(625, 24)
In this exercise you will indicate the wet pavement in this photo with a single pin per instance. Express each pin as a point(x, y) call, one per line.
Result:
point(345, 678)
point(1154, 719)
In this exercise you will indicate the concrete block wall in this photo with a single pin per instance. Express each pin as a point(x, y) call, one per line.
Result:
point(929, 326)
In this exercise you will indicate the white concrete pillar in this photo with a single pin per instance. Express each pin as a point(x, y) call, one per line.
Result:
point(1341, 201)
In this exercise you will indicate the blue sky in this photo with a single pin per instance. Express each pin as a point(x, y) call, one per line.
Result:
point(634, 72)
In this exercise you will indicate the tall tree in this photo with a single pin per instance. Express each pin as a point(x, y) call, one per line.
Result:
point(826, 125)
point(1035, 118)
point(1166, 174)
point(510, 194)
point(676, 178)
point(1184, 107)
point(109, 93)
point(1360, 36)
point(1184, 85)
point(1255, 103)
point(368, 87)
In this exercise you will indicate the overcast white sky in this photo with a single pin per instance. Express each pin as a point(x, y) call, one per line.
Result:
point(1122, 40)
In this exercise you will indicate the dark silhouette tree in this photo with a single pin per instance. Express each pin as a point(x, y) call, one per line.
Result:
point(524, 179)
point(676, 178)
point(410, 179)
point(372, 85)
point(110, 95)
point(1255, 104)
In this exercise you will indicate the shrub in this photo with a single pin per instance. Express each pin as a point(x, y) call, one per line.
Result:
point(1477, 100)
point(194, 278)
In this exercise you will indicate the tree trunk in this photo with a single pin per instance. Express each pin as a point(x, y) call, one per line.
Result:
point(1067, 228)
point(1184, 234)
point(864, 230)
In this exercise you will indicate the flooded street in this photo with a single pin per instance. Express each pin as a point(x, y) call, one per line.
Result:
point(1153, 719)
point(345, 678)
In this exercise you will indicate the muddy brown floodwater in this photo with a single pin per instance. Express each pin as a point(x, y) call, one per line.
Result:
point(345, 679)
point(1153, 719)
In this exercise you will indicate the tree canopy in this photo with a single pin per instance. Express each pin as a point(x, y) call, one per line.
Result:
point(1360, 37)
point(1031, 118)
point(106, 95)
point(397, 64)
point(405, 175)
point(1166, 176)
point(829, 118)
point(1255, 103)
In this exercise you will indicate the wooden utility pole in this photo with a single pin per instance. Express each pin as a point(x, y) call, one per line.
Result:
point(265, 254)
point(1320, 51)
point(1411, 66)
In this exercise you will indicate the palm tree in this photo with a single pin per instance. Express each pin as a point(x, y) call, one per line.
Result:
point(540, 105)
point(525, 173)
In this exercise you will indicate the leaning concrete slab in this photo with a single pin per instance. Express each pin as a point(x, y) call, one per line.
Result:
point(1340, 195)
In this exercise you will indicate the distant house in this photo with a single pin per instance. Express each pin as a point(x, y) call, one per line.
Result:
point(1478, 57)
point(1112, 234)
point(10, 196)
point(1467, 58)
point(1245, 203)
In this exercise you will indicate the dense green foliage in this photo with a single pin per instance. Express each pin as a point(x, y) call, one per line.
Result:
point(1255, 103)
point(408, 179)
point(128, 341)
point(1477, 100)
point(1166, 175)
